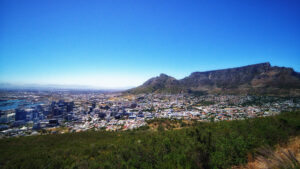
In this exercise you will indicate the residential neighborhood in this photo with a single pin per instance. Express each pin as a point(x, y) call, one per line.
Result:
point(25, 113)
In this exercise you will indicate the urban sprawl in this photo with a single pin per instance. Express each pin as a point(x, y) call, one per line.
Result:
point(24, 113)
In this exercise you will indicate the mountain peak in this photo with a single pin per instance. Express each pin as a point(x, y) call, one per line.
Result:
point(163, 75)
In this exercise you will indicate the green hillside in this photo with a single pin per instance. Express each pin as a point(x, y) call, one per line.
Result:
point(203, 145)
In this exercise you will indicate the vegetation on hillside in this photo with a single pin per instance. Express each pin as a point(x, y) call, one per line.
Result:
point(201, 145)
point(284, 156)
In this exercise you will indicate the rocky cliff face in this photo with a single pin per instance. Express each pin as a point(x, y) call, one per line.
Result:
point(252, 79)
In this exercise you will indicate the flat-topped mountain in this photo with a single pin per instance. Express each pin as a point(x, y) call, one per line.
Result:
point(252, 79)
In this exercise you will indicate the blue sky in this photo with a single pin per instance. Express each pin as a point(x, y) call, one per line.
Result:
point(120, 43)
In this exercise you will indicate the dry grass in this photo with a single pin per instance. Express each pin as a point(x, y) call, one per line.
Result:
point(284, 157)
point(169, 124)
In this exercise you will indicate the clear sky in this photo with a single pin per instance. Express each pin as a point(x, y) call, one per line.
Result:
point(120, 43)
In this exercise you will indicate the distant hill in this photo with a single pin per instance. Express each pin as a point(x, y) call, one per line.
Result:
point(261, 79)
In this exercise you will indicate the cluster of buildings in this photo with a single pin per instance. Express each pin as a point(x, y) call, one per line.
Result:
point(25, 113)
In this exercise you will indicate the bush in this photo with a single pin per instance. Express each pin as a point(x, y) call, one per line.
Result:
point(203, 145)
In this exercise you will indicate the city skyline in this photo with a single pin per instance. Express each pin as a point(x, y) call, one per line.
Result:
point(122, 44)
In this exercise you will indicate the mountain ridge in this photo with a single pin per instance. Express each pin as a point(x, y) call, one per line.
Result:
point(261, 79)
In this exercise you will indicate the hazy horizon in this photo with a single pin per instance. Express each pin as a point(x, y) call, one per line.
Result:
point(122, 44)
point(78, 86)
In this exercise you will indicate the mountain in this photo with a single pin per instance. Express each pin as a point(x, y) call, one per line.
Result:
point(161, 84)
point(261, 79)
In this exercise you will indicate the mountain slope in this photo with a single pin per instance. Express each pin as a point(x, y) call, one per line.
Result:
point(162, 83)
point(252, 79)
point(204, 145)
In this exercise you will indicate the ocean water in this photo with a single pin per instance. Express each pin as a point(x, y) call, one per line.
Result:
point(14, 104)
point(9, 104)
